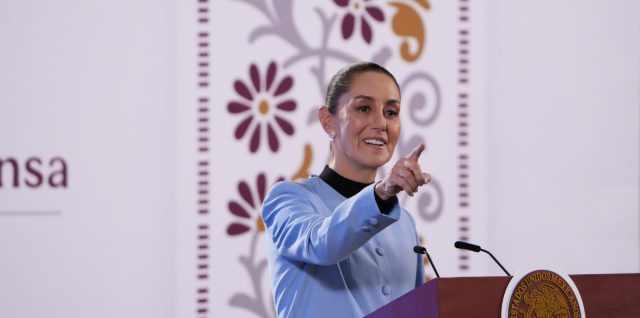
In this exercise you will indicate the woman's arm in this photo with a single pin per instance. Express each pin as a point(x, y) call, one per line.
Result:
point(301, 231)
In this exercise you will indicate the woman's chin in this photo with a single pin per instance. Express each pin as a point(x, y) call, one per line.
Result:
point(377, 161)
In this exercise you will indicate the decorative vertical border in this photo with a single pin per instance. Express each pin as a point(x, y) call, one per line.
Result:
point(463, 229)
point(463, 129)
point(203, 165)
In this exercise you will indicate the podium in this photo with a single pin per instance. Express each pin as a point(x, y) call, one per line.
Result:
point(605, 295)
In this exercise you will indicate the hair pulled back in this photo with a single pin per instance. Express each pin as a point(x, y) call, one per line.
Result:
point(341, 82)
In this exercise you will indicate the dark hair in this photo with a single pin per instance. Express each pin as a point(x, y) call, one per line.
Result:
point(341, 81)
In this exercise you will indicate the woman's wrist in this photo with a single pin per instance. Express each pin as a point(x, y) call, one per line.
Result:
point(380, 191)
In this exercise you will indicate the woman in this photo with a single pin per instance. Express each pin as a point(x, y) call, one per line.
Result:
point(339, 243)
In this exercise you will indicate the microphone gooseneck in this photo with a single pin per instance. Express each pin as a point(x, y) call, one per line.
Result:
point(477, 248)
point(422, 250)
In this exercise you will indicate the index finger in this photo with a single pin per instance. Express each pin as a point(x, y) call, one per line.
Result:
point(416, 152)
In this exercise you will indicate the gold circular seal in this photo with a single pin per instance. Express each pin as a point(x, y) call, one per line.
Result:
point(543, 294)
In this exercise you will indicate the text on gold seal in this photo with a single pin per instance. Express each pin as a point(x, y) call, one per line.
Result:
point(543, 294)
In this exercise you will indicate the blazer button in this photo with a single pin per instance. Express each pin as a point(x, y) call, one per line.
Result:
point(373, 221)
point(386, 290)
point(380, 251)
point(366, 228)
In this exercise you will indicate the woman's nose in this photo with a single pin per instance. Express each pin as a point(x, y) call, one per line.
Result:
point(379, 121)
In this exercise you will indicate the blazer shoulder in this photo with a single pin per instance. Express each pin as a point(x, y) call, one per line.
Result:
point(306, 187)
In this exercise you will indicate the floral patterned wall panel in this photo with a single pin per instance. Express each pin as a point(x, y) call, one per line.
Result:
point(253, 74)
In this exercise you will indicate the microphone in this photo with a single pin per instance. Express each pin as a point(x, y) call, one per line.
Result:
point(422, 250)
point(477, 248)
point(467, 246)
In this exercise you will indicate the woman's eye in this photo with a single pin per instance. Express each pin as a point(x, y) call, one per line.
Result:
point(390, 113)
point(364, 108)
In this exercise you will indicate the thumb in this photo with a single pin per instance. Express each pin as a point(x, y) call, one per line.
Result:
point(416, 152)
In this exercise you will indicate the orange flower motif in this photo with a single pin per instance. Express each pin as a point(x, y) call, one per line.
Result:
point(407, 23)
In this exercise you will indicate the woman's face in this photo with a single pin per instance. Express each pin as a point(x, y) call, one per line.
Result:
point(367, 124)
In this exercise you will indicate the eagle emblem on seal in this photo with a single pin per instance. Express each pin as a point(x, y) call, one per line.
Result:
point(546, 301)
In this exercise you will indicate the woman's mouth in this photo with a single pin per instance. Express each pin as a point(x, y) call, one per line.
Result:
point(374, 142)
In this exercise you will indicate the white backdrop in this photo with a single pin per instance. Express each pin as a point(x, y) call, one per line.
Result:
point(93, 83)
point(531, 114)
point(564, 134)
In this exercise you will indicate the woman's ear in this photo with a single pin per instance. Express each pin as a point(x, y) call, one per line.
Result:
point(326, 120)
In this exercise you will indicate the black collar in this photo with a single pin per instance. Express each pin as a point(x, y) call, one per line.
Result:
point(344, 186)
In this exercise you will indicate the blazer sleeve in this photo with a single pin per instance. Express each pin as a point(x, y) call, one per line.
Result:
point(299, 231)
point(420, 275)
point(420, 271)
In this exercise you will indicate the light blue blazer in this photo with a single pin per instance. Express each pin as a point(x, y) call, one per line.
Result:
point(335, 257)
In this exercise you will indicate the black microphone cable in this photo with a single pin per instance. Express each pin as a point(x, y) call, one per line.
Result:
point(477, 248)
point(422, 250)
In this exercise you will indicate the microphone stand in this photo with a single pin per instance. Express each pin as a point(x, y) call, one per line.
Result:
point(495, 259)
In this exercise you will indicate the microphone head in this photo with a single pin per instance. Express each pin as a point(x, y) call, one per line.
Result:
point(467, 246)
point(420, 250)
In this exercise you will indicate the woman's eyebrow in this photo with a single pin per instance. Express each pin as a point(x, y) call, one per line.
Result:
point(367, 97)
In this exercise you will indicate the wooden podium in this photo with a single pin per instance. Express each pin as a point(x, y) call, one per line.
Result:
point(606, 295)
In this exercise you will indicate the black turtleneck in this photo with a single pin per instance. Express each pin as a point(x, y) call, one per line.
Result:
point(349, 188)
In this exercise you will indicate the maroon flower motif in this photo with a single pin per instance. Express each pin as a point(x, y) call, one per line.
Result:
point(363, 9)
point(248, 209)
point(257, 102)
